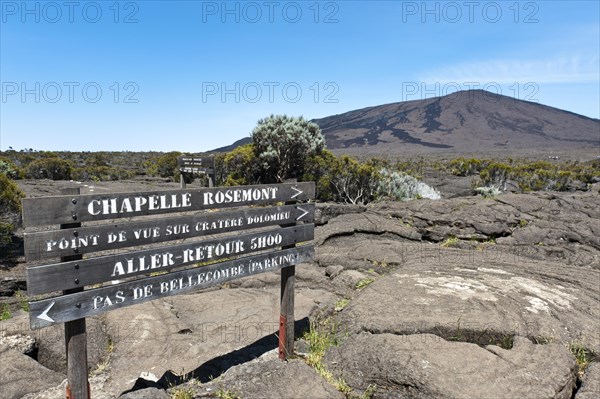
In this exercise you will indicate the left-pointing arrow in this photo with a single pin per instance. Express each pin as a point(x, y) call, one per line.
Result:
point(44, 315)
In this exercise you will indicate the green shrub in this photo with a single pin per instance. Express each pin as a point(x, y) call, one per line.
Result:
point(10, 209)
point(5, 313)
point(467, 167)
point(49, 168)
point(282, 146)
point(537, 165)
point(353, 182)
point(10, 196)
point(589, 172)
point(318, 169)
point(529, 179)
point(413, 168)
point(495, 174)
point(238, 167)
point(8, 168)
point(6, 231)
point(165, 166)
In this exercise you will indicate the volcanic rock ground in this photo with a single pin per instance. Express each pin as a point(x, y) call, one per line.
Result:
point(490, 313)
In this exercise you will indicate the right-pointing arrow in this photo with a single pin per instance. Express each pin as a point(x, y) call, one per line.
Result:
point(298, 192)
point(44, 315)
point(304, 214)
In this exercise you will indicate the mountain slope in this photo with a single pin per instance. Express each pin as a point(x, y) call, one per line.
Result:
point(234, 145)
point(466, 121)
point(463, 122)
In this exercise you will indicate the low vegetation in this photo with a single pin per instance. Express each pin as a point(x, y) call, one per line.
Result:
point(341, 304)
point(583, 356)
point(526, 175)
point(52, 168)
point(182, 393)
point(488, 191)
point(323, 335)
point(226, 394)
point(9, 169)
point(23, 300)
point(5, 313)
point(399, 186)
point(285, 148)
point(450, 242)
point(82, 166)
point(365, 282)
point(10, 209)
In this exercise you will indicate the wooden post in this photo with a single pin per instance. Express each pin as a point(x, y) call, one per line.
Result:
point(286, 314)
point(75, 336)
point(286, 317)
point(182, 180)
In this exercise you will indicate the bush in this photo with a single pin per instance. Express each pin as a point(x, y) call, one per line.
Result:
point(6, 232)
point(488, 191)
point(165, 166)
point(10, 208)
point(352, 181)
point(588, 172)
point(413, 168)
point(8, 168)
point(318, 169)
point(403, 187)
point(467, 167)
point(282, 146)
point(10, 196)
point(495, 174)
point(238, 167)
point(541, 175)
point(49, 168)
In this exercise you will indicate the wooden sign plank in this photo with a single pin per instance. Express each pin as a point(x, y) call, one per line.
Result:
point(187, 169)
point(82, 240)
point(90, 207)
point(93, 302)
point(196, 162)
point(68, 275)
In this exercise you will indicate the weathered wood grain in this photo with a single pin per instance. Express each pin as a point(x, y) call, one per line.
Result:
point(75, 334)
point(90, 207)
point(84, 240)
point(96, 301)
point(68, 275)
point(286, 313)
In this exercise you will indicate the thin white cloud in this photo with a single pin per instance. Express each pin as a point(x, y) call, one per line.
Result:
point(575, 69)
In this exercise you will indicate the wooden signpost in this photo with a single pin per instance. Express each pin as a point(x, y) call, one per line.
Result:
point(197, 260)
point(205, 165)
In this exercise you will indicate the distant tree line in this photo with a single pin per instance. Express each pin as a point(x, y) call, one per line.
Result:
point(285, 148)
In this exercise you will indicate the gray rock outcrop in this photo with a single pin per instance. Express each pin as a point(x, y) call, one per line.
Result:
point(424, 366)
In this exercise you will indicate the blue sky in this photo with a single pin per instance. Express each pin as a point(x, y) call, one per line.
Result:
point(195, 75)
